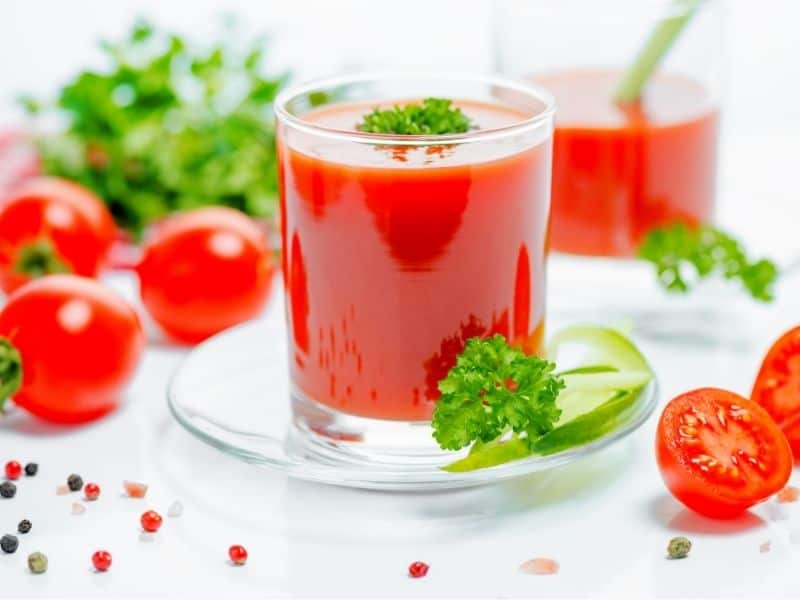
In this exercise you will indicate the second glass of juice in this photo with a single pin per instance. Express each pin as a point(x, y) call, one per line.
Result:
point(620, 170)
point(397, 249)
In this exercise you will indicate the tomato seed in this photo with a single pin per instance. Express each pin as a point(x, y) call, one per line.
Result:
point(788, 494)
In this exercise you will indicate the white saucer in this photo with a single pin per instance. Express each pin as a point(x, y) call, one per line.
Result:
point(232, 392)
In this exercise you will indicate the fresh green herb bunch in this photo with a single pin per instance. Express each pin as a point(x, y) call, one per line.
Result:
point(678, 252)
point(494, 389)
point(435, 116)
point(168, 127)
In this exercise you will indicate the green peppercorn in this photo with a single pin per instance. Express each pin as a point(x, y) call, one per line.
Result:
point(24, 526)
point(7, 489)
point(31, 469)
point(679, 547)
point(74, 482)
point(9, 544)
point(37, 562)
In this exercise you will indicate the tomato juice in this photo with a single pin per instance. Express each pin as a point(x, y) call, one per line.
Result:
point(620, 171)
point(394, 255)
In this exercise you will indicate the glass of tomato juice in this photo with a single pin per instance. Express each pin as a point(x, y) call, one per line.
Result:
point(620, 170)
point(398, 248)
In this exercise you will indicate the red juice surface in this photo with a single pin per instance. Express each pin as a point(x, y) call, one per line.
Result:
point(620, 172)
point(393, 257)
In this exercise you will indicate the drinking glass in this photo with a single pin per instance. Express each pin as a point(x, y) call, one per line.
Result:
point(399, 248)
point(620, 170)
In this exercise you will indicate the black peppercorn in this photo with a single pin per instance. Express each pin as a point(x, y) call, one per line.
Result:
point(31, 469)
point(24, 526)
point(9, 543)
point(7, 489)
point(74, 482)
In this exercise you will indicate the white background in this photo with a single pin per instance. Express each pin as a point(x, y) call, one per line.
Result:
point(606, 520)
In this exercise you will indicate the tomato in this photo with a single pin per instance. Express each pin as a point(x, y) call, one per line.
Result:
point(777, 386)
point(720, 453)
point(204, 271)
point(76, 343)
point(52, 225)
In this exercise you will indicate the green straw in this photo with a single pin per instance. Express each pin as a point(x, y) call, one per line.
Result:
point(659, 42)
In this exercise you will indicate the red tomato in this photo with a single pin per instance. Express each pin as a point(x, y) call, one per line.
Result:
point(204, 271)
point(77, 344)
point(777, 386)
point(52, 226)
point(720, 453)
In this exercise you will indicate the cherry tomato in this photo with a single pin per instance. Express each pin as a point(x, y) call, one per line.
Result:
point(777, 386)
point(52, 226)
point(720, 453)
point(204, 271)
point(68, 346)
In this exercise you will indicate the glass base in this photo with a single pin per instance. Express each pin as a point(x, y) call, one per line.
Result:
point(325, 432)
point(625, 293)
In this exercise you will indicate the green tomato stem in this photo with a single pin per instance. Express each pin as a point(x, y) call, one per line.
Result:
point(10, 371)
point(40, 258)
point(660, 41)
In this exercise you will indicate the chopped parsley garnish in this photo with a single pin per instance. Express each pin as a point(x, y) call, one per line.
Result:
point(435, 116)
point(682, 256)
point(492, 390)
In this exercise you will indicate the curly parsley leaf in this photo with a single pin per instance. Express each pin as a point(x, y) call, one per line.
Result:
point(435, 116)
point(167, 126)
point(682, 256)
point(494, 389)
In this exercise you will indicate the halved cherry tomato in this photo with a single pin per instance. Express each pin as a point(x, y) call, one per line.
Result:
point(204, 271)
point(720, 453)
point(68, 346)
point(777, 386)
point(51, 225)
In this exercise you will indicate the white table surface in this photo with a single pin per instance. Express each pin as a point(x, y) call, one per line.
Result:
point(606, 519)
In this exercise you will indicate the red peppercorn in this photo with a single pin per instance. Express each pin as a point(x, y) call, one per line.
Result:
point(237, 554)
point(13, 469)
point(418, 569)
point(151, 521)
point(101, 560)
point(91, 491)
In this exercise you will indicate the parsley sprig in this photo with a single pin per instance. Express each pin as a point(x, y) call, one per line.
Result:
point(168, 125)
point(682, 256)
point(435, 116)
point(492, 390)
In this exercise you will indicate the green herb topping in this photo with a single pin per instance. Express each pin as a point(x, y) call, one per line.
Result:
point(492, 389)
point(434, 116)
point(682, 255)
point(507, 405)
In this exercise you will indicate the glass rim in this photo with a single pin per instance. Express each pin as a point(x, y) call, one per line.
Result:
point(530, 90)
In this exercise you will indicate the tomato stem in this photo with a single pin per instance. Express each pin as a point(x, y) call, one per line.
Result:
point(10, 370)
point(40, 258)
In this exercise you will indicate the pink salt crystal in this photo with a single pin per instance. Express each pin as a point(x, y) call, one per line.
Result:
point(62, 490)
point(539, 566)
point(135, 489)
point(788, 494)
point(78, 508)
point(765, 547)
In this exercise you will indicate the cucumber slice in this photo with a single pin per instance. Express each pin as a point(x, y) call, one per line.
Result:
point(601, 345)
point(589, 426)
